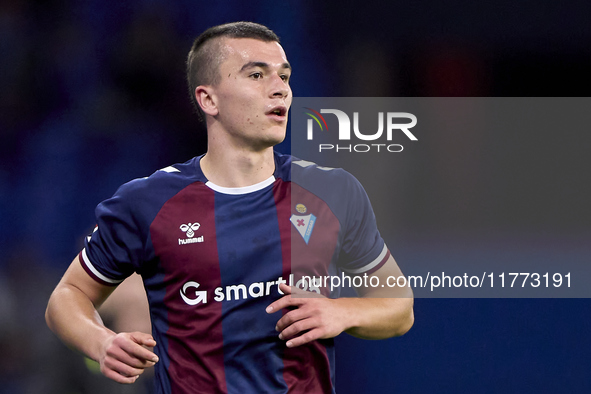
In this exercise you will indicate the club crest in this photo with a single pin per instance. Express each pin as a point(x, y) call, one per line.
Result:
point(304, 224)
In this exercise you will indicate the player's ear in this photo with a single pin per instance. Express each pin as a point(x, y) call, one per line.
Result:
point(206, 100)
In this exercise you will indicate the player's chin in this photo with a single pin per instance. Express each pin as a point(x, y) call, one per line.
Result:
point(277, 141)
point(262, 144)
point(276, 136)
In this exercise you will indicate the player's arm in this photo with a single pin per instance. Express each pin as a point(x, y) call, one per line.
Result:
point(378, 313)
point(383, 312)
point(72, 314)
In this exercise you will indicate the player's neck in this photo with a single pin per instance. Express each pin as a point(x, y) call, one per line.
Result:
point(237, 168)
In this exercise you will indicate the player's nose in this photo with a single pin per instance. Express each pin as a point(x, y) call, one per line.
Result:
point(279, 87)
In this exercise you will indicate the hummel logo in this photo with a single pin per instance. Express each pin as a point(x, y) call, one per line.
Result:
point(190, 229)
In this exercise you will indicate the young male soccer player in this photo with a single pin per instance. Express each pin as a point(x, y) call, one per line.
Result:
point(213, 239)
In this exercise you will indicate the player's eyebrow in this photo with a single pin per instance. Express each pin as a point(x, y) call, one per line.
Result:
point(262, 65)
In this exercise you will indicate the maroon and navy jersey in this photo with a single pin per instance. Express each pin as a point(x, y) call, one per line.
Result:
point(212, 259)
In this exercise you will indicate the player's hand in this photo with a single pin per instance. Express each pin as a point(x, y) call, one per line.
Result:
point(310, 317)
point(125, 356)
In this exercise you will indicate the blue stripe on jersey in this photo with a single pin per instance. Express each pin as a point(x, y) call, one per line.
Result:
point(247, 232)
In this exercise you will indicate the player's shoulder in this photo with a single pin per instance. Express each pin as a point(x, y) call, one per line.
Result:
point(288, 166)
point(309, 174)
point(165, 180)
point(335, 186)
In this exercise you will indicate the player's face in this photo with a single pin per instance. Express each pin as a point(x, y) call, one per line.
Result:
point(253, 96)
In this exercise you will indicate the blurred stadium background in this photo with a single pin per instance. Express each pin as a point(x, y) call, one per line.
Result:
point(92, 94)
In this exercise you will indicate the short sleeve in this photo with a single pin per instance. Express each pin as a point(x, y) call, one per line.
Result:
point(115, 248)
point(363, 249)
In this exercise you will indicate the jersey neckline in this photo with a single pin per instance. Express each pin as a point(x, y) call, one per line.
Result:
point(241, 190)
point(237, 190)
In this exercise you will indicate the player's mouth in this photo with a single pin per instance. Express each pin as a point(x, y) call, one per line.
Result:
point(278, 113)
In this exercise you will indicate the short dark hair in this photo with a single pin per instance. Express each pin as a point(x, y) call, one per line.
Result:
point(204, 58)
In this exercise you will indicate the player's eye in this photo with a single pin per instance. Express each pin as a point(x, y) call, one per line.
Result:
point(256, 75)
point(285, 77)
